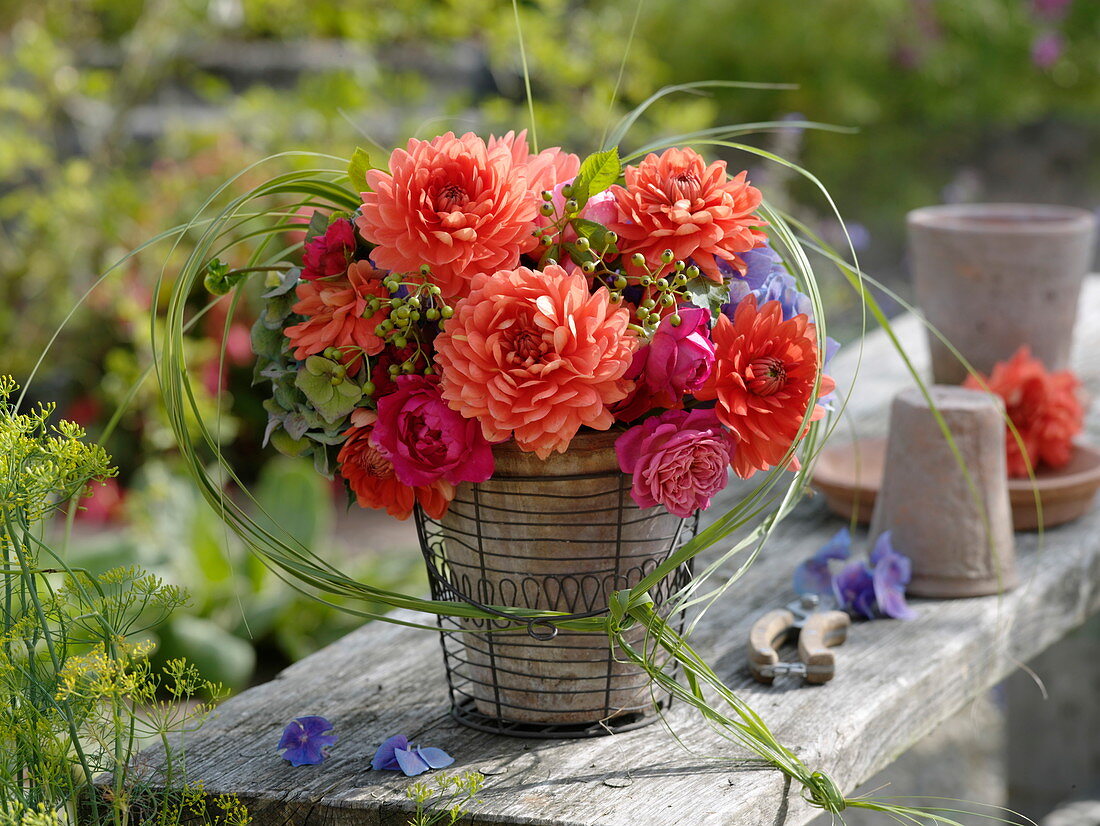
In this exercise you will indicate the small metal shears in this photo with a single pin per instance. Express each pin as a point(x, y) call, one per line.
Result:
point(818, 631)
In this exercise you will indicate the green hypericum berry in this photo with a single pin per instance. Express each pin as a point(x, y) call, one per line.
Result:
point(567, 191)
point(331, 353)
point(428, 371)
point(335, 381)
point(547, 195)
point(646, 281)
point(432, 314)
point(662, 283)
point(621, 282)
point(393, 370)
point(679, 266)
point(649, 303)
point(387, 325)
point(675, 320)
point(588, 267)
point(402, 312)
point(638, 260)
point(425, 269)
point(397, 302)
point(447, 312)
point(667, 256)
point(400, 341)
point(547, 209)
point(368, 388)
point(583, 243)
point(641, 313)
point(572, 207)
point(668, 299)
point(612, 237)
point(392, 284)
point(616, 298)
point(379, 330)
point(414, 302)
point(680, 279)
point(654, 318)
point(414, 315)
point(408, 367)
point(692, 272)
point(433, 289)
point(546, 240)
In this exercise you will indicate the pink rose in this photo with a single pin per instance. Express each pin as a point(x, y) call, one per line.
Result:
point(601, 208)
point(678, 360)
point(425, 440)
point(329, 254)
point(679, 459)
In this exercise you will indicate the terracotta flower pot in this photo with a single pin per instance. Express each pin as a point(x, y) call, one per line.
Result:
point(562, 535)
point(992, 277)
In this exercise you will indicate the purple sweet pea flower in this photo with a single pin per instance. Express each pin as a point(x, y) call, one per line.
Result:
point(814, 576)
point(854, 588)
point(891, 572)
point(306, 740)
point(766, 278)
point(677, 361)
point(395, 755)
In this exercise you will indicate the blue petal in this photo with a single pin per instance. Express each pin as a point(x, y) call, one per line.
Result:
point(435, 758)
point(854, 589)
point(410, 762)
point(314, 725)
point(385, 759)
point(891, 574)
point(304, 740)
point(813, 575)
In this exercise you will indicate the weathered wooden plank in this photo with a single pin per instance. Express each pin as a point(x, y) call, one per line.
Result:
point(895, 682)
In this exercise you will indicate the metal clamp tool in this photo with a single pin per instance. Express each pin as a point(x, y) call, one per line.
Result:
point(818, 631)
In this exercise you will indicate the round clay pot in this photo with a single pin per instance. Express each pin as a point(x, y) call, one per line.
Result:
point(958, 537)
point(561, 535)
point(991, 277)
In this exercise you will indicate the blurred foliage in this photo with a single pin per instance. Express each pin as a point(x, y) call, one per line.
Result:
point(118, 118)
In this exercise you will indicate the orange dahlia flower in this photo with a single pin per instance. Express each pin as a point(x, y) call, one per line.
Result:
point(371, 478)
point(334, 309)
point(545, 170)
point(534, 355)
point(1044, 407)
point(763, 379)
point(454, 204)
point(676, 202)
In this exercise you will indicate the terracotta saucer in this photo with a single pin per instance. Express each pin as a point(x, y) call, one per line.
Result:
point(850, 474)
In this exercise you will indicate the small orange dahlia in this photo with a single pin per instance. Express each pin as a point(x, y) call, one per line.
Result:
point(536, 356)
point(1045, 408)
point(334, 309)
point(677, 202)
point(454, 204)
point(763, 380)
point(545, 170)
point(371, 478)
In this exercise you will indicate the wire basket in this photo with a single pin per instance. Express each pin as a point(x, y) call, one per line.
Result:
point(561, 535)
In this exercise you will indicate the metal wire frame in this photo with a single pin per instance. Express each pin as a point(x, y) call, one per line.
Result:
point(561, 543)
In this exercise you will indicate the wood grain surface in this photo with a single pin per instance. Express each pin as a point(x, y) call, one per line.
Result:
point(895, 681)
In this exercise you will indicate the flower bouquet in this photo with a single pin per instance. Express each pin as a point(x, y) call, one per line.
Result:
point(555, 363)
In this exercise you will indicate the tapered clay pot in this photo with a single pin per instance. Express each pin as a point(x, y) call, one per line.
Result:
point(561, 534)
point(958, 537)
point(991, 277)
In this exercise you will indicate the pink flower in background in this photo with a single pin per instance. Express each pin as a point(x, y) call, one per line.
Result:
point(547, 169)
point(1046, 49)
point(426, 440)
point(676, 361)
point(329, 254)
point(103, 504)
point(679, 459)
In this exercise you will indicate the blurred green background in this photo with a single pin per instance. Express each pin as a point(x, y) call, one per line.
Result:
point(119, 117)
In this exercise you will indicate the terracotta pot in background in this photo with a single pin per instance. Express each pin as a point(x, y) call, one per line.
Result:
point(991, 277)
point(562, 535)
point(959, 538)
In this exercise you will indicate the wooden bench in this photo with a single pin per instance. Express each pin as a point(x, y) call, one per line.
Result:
point(896, 681)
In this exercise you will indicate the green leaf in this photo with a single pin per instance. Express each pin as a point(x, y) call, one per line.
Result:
point(267, 342)
point(598, 171)
point(317, 225)
point(287, 282)
point(708, 294)
point(332, 401)
point(357, 170)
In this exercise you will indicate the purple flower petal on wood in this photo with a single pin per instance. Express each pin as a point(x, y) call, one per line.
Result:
point(854, 589)
point(305, 740)
point(435, 758)
point(410, 762)
point(813, 575)
point(385, 759)
point(891, 574)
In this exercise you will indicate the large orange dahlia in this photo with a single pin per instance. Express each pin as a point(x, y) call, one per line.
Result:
point(334, 309)
point(370, 475)
point(1045, 408)
point(455, 204)
point(677, 202)
point(763, 380)
point(535, 356)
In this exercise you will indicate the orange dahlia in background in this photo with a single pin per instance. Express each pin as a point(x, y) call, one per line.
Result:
point(454, 204)
point(677, 202)
point(371, 478)
point(545, 170)
point(763, 380)
point(536, 356)
point(334, 309)
point(1045, 408)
